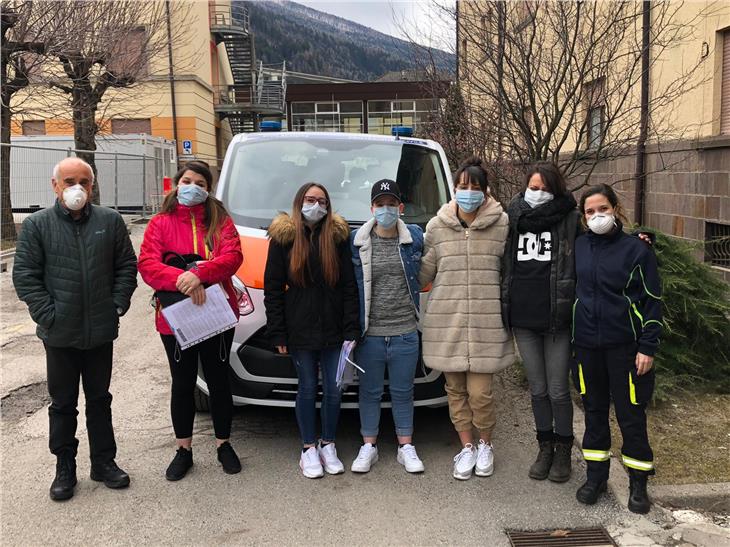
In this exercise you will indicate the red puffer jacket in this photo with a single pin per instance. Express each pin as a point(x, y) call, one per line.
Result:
point(183, 231)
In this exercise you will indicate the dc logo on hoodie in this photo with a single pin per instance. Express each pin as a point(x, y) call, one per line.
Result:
point(534, 247)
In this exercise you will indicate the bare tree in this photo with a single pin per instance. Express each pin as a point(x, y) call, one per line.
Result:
point(26, 30)
point(104, 46)
point(560, 81)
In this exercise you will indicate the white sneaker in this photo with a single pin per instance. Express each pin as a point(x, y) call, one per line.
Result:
point(367, 456)
point(464, 462)
point(408, 458)
point(329, 459)
point(310, 465)
point(485, 459)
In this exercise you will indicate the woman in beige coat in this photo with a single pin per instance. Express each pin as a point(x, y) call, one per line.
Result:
point(463, 334)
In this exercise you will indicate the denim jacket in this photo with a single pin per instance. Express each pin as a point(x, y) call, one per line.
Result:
point(411, 248)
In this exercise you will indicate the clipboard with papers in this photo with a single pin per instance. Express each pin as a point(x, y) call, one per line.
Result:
point(192, 324)
point(346, 366)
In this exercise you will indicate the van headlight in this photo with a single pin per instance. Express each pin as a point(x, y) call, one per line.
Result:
point(245, 304)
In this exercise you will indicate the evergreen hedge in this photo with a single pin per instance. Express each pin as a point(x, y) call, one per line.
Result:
point(694, 349)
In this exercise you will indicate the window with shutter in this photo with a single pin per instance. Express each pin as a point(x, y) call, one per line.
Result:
point(121, 126)
point(34, 127)
point(725, 93)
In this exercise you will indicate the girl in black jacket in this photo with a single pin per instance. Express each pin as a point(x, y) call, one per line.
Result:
point(312, 306)
point(617, 319)
point(538, 287)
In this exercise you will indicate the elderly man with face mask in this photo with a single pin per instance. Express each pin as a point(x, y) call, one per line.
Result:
point(76, 270)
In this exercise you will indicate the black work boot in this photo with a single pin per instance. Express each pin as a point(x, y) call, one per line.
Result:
point(560, 470)
point(540, 469)
point(62, 487)
point(638, 496)
point(110, 474)
point(589, 492)
point(180, 464)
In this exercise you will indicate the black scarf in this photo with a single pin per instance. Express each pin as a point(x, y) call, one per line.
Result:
point(543, 217)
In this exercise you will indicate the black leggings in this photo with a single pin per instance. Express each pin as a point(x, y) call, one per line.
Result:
point(213, 355)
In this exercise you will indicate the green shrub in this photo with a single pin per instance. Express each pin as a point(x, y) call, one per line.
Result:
point(694, 349)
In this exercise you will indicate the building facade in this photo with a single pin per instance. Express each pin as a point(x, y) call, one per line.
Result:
point(686, 164)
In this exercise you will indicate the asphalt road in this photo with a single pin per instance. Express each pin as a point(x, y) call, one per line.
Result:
point(269, 501)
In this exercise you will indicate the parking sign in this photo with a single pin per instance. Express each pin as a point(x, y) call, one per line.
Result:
point(187, 147)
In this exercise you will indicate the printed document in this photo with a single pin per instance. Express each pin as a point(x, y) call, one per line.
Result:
point(192, 324)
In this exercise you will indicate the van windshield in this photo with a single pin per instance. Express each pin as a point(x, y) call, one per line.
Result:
point(264, 177)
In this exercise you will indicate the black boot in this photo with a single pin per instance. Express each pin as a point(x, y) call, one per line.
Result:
point(110, 474)
point(638, 496)
point(560, 470)
point(62, 487)
point(589, 492)
point(180, 464)
point(540, 469)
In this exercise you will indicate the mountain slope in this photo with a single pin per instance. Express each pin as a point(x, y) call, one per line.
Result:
point(316, 42)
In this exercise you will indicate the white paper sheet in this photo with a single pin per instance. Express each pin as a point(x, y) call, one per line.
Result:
point(192, 324)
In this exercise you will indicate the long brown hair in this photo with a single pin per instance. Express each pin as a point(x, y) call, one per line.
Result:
point(551, 175)
point(215, 212)
point(298, 263)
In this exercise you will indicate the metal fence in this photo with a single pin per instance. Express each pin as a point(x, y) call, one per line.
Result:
point(129, 183)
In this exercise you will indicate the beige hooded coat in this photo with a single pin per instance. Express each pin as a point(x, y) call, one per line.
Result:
point(462, 324)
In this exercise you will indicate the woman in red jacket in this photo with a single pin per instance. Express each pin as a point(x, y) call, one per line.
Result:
point(193, 222)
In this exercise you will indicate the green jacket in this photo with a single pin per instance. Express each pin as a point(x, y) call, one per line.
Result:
point(76, 276)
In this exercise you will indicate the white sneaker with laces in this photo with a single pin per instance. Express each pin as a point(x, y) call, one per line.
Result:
point(485, 459)
point(464, 462)
point(367, 456)
point(408, 458)
point(330, 461)
point(310, 465)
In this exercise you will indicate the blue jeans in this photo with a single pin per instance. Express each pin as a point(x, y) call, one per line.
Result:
point(308, 363)
point(400, 355)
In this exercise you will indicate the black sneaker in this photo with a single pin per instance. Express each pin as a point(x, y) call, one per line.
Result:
point(110, 474)
point(227, 456)
point(62, 487)
point(180, 464)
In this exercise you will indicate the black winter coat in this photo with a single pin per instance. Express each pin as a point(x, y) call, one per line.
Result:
point(315, 316)
point(76, 277)
point(564, 230)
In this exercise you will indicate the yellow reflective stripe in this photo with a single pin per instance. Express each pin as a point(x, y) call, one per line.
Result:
point(632, 391)
point(636, 311)
point(631, 321)
point(573, 322)
point(581, 380)
point(195, 233)
point(596, 455)
point(643, 282)
point(637, 464)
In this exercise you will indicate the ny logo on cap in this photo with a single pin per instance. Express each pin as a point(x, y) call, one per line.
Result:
point(385, 186)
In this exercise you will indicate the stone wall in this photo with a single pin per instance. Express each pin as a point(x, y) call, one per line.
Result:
point(688, 184)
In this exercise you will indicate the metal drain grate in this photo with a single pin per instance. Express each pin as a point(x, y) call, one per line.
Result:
point(579, 537)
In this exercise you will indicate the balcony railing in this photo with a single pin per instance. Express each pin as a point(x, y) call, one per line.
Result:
point(223, 15)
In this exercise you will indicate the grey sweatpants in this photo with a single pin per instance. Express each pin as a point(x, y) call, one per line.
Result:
point(547, 363)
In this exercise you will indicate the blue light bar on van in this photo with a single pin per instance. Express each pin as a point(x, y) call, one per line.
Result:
point(269, 126)
point(401, 131)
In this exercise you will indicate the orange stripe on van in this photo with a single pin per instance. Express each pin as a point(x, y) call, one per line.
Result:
point(255, 251)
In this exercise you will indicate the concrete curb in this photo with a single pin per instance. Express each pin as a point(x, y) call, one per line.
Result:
point(713, 497)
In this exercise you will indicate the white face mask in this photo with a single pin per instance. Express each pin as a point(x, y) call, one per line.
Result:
point(75, 197)
point(537, 197)
point(601, 223)
point(314, 212)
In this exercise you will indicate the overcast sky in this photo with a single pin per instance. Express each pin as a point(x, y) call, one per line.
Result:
point(419, 18)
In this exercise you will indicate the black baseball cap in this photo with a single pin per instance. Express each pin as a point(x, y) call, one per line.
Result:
point(385, 187)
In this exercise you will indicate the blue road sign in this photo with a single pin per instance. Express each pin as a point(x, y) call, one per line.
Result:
point(187, 147)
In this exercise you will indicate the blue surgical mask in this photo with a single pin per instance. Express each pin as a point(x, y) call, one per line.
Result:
point(535, 198)
point(469, 200)
point(386, 216)
point(191, 194)
point(314, 212)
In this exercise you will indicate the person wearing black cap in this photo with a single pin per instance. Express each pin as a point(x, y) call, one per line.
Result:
point(386, 253)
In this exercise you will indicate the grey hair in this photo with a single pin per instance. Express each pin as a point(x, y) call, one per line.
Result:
point(58, 165)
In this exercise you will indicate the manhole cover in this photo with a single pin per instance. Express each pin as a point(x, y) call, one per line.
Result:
point(578, 537)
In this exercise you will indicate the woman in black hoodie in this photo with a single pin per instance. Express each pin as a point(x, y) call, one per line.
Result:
point(538, 287)
point(312, 306)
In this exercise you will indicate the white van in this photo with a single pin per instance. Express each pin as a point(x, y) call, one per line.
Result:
point(260, 175)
